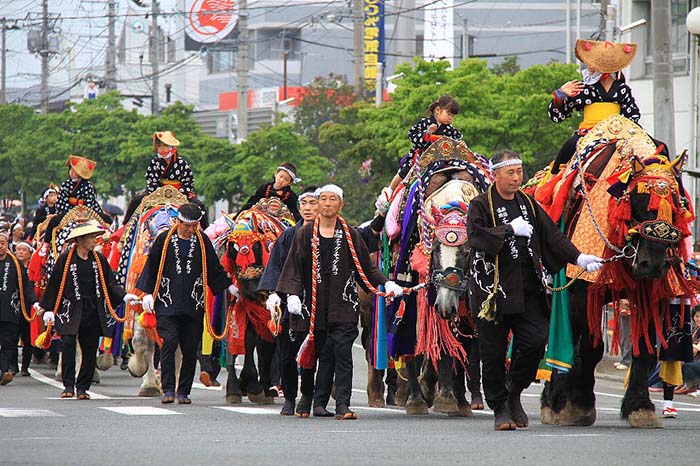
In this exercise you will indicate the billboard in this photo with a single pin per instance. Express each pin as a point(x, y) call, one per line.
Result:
point(209, 21)
point(438, 31)
point(373, 40)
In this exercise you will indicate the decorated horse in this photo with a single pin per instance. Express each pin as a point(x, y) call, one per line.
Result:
point(620, 199)
point(155, 214)
point(244, 243)
point(427, 223)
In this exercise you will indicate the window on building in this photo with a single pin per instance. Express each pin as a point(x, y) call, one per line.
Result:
point(680, 39)
point(219, 61)
point(271, 43)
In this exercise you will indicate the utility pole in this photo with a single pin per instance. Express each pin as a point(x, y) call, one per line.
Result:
point(405, 32)
point(358, 44)
point(465, 38)
point(44, 56)
point(664, 124)
point(3, 98)
point(242, 72)
point(285, 57)
point(110, 59)
point(155, 56)
point(610, 21)
point(568, 31)
point(603, 17)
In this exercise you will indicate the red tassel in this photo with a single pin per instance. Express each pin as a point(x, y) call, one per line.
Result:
point(147, 320)
point(619, 215)
point(306, 357)
point(560, 199)
point(545, 193)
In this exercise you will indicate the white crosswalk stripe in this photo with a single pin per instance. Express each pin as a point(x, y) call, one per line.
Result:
point(250, 410)
point(140, 410)
point(12, 412)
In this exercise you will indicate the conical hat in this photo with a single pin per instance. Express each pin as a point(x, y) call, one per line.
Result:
point(82, 166)
point(166, 137)
point(89, 228)
point(606, 57)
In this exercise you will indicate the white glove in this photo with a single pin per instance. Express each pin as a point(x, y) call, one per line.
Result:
point(273, 301)
point(147, 303)
point(392, 287)
point(37, 308)
point(294, 305)
point(521, 227)
point(590, 262)
point(382, 202)
point(48, 317)
point(130, 297)
point(233, 289)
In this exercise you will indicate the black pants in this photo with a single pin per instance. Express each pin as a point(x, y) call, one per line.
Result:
point(88, 338)
point(9, 333)
point(530, 329)
point(288, 365)
point(253, 379)
point(474, 369)
point(186, 332)
point(209, 363)
point(336, 356)
point(25, 332)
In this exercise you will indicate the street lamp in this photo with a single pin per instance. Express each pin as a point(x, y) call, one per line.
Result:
point(692, 22)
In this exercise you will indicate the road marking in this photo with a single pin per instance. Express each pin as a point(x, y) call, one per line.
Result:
point(98, 397)
point(572, 435)
point(204, 387)
point(55, 383)
point(249, 410)
point(140, 410)
point(12, 412)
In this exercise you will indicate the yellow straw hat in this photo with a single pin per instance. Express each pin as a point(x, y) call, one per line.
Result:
point(606, 57)
point(166, 137)
point(85, 229)
point(82, 166)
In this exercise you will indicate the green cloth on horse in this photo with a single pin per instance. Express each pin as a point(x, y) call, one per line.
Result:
point(560, 347)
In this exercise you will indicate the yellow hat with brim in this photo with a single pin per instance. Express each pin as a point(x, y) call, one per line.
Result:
point(85, 229)
point(82, 166)
point(166, 137)
point(603, 56)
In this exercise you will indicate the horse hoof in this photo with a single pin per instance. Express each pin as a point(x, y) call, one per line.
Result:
point(376, 403)
point(416, 406)
point(572, 415)
point(644, 419)
point(445, 404)
point(135, 370)
point(234, 399)
point(258, 398)
point(463, 410)
point(150, 392)
point(548, 417)
point(105, 361)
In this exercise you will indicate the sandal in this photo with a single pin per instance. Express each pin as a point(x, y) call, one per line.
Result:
point(344, 414)
point(67, 394)
point(83, 396)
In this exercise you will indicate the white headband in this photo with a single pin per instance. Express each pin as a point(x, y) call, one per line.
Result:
point(290, 173)
point(331, 188)
point(24, 243)
point(47, 192)
point(505, 163)
point(313, 194)
point(188, 220)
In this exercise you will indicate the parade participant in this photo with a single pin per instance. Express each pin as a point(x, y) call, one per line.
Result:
point(23, 252)
point(424, 133)
point(167, 167)
point(79, 301)
point(181, 265)
point(280, 187)
point(321, 267)
point(513, 244)
point(47, 206)
point(77, 189)
point(16, 235)
point(291, 336)
point(16, 301)
point(603, 91)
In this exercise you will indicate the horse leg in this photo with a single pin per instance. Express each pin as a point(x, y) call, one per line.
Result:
point(266, 353)
point(249, 381)
point(150, 385)
point(402, 388)
point(459, 388)
point(141, 363)
point(428, 381)
point(445, 401)
point(637, 407)
point(415, 404)
point(375, 387)
point(233, 389)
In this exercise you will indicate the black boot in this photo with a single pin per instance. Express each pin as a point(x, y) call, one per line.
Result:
point(517, 412)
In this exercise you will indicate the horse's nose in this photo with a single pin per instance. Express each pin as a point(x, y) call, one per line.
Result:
point(651, 269)
point(447, 312)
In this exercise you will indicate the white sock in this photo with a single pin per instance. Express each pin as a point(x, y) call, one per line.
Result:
point(667, 404)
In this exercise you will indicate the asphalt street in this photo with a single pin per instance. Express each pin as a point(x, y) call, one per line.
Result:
point(116, 427)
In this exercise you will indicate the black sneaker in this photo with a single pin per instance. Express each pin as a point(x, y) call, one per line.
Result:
point(287, 408)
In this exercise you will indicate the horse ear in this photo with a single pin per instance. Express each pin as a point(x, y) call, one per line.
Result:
point(637, 165)
point(677, 164)
point(437, 214)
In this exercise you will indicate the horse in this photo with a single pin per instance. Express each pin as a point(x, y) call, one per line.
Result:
point(622, 200)
point(449, 176)
point(155, 214)
point(245, 242)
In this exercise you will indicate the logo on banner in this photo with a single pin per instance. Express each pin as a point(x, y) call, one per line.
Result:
point(210, 20)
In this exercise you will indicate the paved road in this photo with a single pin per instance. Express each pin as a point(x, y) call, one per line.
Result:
point(117, 428)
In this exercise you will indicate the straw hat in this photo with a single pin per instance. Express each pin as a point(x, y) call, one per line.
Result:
point(82, 166)
point(606, 57)
point(84, 229)
point(166, 137)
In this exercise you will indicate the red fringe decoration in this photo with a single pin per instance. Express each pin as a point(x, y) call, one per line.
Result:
point(435, 335)
point(619, 216)
point(545, 193)
point(560, 198)
point(306, 357)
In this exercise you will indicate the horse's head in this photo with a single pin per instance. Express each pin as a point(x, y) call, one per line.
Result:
point(657, 218)
point(449, 258)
